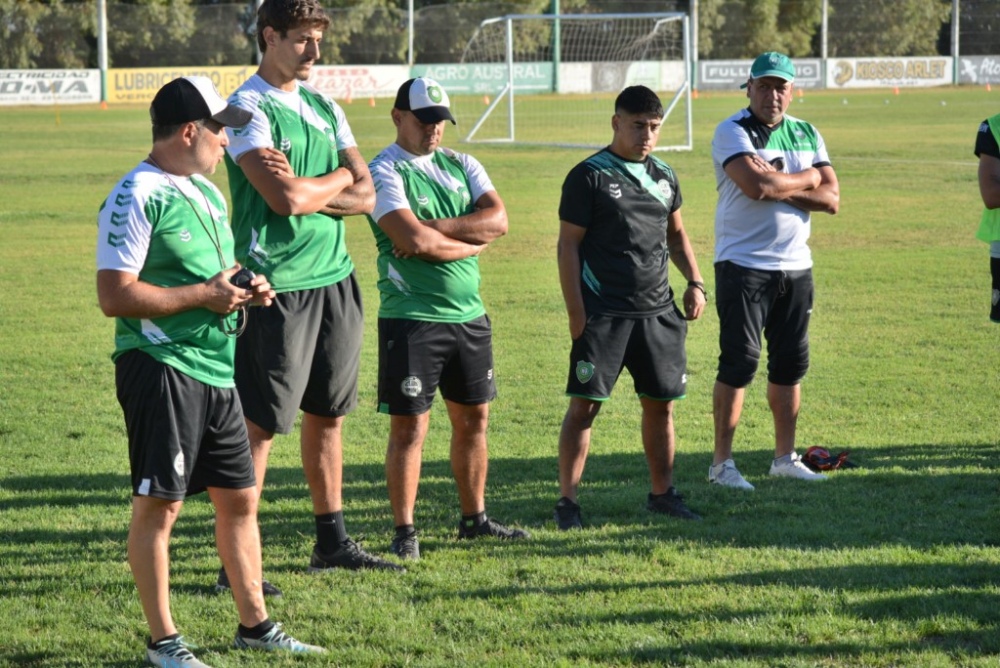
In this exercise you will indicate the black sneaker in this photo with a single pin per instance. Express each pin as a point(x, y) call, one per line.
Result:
point(222, 584)
point(670, 503)
point(995, 307)
point(490, 528)
point(406, 547)
point(568, 515)
point(349, 555)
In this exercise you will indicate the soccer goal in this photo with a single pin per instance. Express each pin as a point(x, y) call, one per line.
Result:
point(552, 79)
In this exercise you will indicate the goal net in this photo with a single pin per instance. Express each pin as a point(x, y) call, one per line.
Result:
point(552, 79)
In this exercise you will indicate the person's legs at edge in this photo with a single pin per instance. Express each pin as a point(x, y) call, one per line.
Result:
point(658, 442)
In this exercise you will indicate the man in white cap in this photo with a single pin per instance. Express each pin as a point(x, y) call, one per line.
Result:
point(435, 212)
point(166, 273)
point(772, 172)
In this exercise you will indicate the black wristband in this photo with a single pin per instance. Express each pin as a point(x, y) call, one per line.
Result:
point(700, 286)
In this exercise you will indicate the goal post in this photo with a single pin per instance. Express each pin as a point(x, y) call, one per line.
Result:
point(551, 79)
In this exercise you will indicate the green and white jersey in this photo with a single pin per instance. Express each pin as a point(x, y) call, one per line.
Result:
point(170, 231)
point(763, 235)
point(294, 252)
point(445, 184)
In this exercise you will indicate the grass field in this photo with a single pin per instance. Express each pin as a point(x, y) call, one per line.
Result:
point(895, 563)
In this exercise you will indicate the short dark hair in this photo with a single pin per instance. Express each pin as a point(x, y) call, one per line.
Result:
point(283, 15)
point(161, 132)
point(638, 100)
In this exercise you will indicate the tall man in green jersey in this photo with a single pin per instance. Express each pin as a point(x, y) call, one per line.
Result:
point(435, 211)
point(305, 354)
point(164, 272)
point(988, 151)
point(772, 171)
point(620, 225)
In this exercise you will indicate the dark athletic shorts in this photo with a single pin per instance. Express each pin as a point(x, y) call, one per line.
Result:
point(415, 358)
point(301, 352)
point(652, 349)
point(776, 303)
point(183, 435)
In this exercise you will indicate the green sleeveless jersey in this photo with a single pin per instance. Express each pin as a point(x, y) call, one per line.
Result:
point(294, 252)
point(445, 184)
point(171, 231)
point(987, 142)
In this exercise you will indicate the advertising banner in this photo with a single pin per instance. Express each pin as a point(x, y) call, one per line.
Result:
point(49, 86)
point(346, 82)
point(138, 85)
point(888, 72)
point(488, 78)
point(979, 70)
point(731, 74)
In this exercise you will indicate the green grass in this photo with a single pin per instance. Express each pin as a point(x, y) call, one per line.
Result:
point(891, 564)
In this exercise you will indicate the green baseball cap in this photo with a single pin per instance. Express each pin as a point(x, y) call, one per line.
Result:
point(772, 64)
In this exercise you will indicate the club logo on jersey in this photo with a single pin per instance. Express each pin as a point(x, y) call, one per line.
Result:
point(615, 190)
point(665, 188)
point(584, 371)
point(423, 200)
point(285, 145)
point(411, 386)
point(185, 235)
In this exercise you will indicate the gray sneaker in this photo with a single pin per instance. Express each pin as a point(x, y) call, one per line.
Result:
point(173, 653)
point(406, 547)
point(276, 640)
point(726, 474)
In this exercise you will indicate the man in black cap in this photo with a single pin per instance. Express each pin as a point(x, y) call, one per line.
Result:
point(165, 272)
point(435, 211)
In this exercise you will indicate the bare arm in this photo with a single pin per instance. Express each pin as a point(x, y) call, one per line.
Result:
point(760, 181)
point(411, 238)
point(682, 255)
point(357, 198)
point(824, 198)
point(568, 255)
point(989, 181)
point(123, 295)
point(287, 194)
point(487, 223)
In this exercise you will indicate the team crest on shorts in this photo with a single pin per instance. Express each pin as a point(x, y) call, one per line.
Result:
point(179, 464)
point(411, 386)
point(584, 371)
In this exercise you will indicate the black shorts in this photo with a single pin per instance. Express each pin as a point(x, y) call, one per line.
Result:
point(776, 303)
point(415, 358)
point(301, 352)
point(652, 349)
point(183, 435)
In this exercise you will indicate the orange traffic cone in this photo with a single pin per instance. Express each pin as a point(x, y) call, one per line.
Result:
point(347, 100)
point(371, 102)
point(694, 93)
point(988, 87)
point(895, 91)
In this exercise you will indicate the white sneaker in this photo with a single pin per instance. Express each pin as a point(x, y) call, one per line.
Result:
point(173, 653)
point(276, 639)
point(795, 469)
point(727, 475)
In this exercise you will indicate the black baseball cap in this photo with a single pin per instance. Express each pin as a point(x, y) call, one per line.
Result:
point(425, 99)
point(194, 98)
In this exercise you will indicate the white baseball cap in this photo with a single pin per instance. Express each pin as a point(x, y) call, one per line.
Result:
point(425, 99)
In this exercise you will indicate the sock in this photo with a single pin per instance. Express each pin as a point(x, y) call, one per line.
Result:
point(256, 632)
point(172, 636)
point(330, 531)
point(995, 272)
point(784, 459)
point(470, 521)
point(404, 530)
